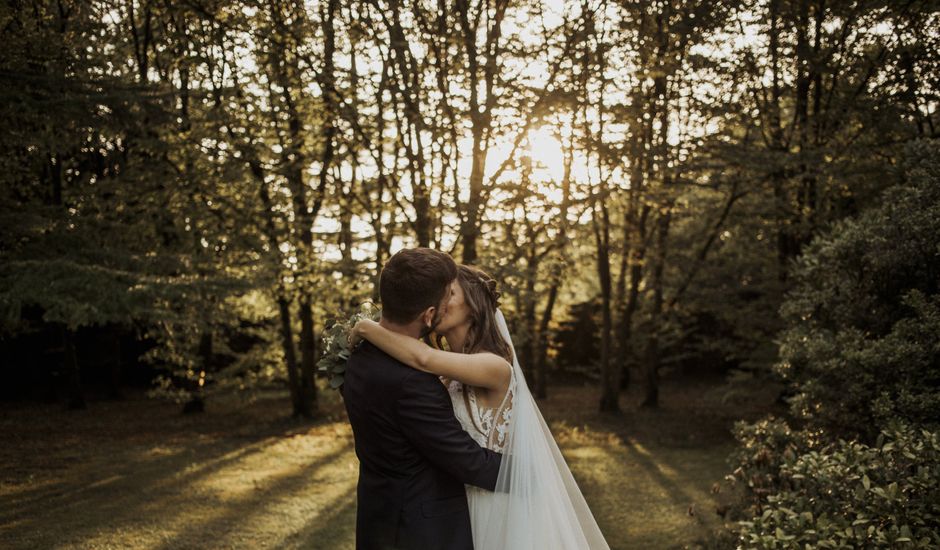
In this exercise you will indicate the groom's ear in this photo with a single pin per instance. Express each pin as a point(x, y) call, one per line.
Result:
point(427, 318)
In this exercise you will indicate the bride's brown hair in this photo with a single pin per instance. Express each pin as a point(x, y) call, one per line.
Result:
point(482, 299)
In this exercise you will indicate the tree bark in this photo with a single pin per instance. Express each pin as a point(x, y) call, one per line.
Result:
point(638, 256)
point(290, 356)
point(610, 390)
point(541, 345)
point(652, 359)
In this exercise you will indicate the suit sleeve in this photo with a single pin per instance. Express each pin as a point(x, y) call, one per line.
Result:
point(427, 419)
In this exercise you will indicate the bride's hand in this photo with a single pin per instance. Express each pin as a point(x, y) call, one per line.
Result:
point(358, 332)
point(355, 335)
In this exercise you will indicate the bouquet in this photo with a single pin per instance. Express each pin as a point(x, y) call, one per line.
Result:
point(336, 348)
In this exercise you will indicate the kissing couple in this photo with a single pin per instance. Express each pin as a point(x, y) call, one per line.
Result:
point(453, 451)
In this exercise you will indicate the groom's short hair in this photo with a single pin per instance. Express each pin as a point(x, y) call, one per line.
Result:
point(413, 280)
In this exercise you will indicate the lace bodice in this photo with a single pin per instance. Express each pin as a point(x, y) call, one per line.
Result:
point(488, 426)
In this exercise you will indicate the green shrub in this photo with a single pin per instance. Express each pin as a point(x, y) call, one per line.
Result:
point(842, 495)
point(861, 352)
point(763, 447)
point(863, 318)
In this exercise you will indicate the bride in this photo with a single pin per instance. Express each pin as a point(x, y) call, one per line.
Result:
point(537, 504)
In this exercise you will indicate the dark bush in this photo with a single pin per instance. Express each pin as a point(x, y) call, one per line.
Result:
point(863, 318)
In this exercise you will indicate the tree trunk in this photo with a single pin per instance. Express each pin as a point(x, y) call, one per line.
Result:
point(411, 127)
point(652, 359)
point(290, 356)
point(661, 102)
point(270, 230)
point(634, 239)
point(633, 296)
point(776, 139)
point(308, 360)
point(529, 318)
point(294, 161)
point(610, 387)
point(541, 345)
point(480, 111)
point(561, 240)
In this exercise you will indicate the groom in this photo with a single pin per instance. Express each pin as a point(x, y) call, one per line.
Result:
point(414, 457)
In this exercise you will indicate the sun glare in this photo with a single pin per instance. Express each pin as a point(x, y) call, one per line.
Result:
point(547, 153)
point(548, 163)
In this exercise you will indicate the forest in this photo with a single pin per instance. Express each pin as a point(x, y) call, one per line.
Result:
point(715, 228)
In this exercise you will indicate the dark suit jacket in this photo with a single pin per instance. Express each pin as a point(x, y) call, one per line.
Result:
point(414, 457)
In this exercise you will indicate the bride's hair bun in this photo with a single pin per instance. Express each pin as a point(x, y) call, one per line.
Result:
point(491, 290)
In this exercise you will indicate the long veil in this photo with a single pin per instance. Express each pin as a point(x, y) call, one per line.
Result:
point(538, 505)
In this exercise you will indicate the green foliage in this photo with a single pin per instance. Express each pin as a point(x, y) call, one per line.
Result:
point(336, 349)
point(840, 495)
point(117, 204)
point(209, 348)
point(763, 446)
point(862, 353)
point(861, 346)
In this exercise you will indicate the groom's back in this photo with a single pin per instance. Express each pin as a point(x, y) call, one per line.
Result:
point(399, 490)
point(371, 389)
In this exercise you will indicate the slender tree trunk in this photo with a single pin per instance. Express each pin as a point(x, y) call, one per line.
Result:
point(280, 293)
point(610, 387)
point(294, 160)
point(660, 148)
point(541, 350)
point(378, 227)
point(652, 359)
point(411, 128)
point(290, 356)
point(480, 111)
point(529, 318)
point(308, 360)
point(778, 177)
point(470, 229)
point(634, 240)
point(381, 247)
point(541, 345)
point(272, 235)
point(804, 79)
point(633, 295)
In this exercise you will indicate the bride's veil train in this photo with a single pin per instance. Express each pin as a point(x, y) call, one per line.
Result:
point(538, 505)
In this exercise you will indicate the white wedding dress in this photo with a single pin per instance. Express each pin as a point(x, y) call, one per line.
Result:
point(537, 504)
point(488, 427)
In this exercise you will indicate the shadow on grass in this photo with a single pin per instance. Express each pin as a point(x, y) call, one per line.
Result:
point(239, 510)
point(334, 529)
point(244, 480)
point(647, 474)
point(146, 474)
point(134, 489)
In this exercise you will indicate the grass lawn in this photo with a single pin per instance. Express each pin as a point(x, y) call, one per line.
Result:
point(137, 474)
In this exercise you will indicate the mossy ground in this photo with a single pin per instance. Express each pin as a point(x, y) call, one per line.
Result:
point(138, 474)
